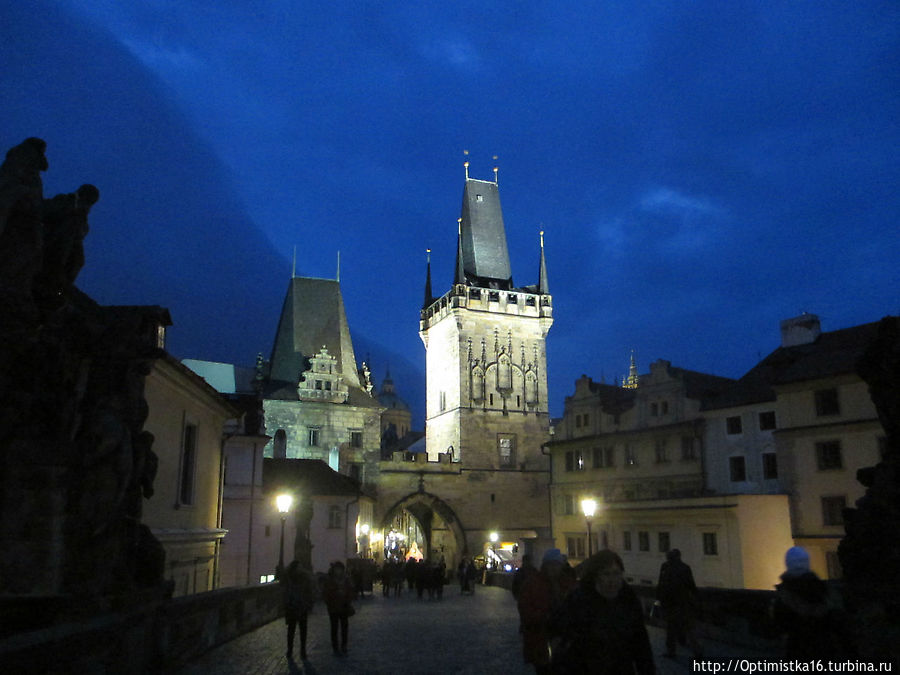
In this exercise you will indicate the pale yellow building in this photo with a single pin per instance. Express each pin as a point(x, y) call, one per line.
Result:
point(639, 452)
point(187, 418)
point(828, 429)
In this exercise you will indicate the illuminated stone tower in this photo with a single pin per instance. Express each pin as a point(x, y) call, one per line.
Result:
point(486, 358)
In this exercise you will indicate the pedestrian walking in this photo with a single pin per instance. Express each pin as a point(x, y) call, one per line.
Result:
point(542, 593)
point(298, 601)
point(806, 615)
point(677, 593)
point(338, 594)
point(525, 572)
point(600, 626)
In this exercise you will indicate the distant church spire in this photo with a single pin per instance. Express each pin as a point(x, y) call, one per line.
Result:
point(543, 286)
point(631, 381)
point(428, 297)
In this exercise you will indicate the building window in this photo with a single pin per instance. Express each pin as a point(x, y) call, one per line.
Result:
point(630, 456)
point(319, 384)
point(604, 458)
point(626, 541)
point(661, 457)
point(687, 448)
point(574, 460)
point(568, 505)
point(643, 541)
point(506, 446)
point(570, 461)
point(188, 464)
point(733, 425)
point(833, 510)
point(356, 473)
point(663, 541)
point(828, 455)
point(710, 544)
point(654, 410)
point(443, 400)
point(585, 420)
point(356, 439)
point(575, 547)
point(335, 517)
point(738, 469)
point(827, 402)
point(770, 465)
point(314, 437)
point(577, 421)
point(767, 420)
point(664, 408)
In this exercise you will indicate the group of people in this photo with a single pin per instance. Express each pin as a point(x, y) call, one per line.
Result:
point(593, 622)
point(590, 622)
point(300, 593)
point(427, 577)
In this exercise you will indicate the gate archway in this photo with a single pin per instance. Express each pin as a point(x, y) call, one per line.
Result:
point(440, 529)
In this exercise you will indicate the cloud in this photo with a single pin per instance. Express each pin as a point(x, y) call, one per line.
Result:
point(161, 58)
point(456, 52)
point(664, 200)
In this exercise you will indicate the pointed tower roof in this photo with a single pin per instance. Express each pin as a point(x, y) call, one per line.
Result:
point(543, 286)
point(312, 317)
point(459, 276)
point(485, 259)
point(429, 298)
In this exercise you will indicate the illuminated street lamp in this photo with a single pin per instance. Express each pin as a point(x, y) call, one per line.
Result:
point(588, 508)
point(283, 502)
point(494, 537)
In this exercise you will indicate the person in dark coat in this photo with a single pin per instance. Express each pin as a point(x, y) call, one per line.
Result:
point(804, 612)
point(601, 624)
point(338, 594)
point(525, 572)
point(677, 593)
point(298, 600)
point(541, 594)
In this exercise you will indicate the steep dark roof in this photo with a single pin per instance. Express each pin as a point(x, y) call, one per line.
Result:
point(483, 237)
point(832, 353)
point(309, 477)
point(312, 317)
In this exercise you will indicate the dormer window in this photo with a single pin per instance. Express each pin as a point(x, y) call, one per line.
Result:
point(479, 198)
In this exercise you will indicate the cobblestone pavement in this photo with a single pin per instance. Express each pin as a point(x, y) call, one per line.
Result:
point(458, 635)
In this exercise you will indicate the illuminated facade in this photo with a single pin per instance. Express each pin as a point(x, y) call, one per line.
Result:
point(639, 451)
point(486, 399)
point(186, 417)
point(731, 472)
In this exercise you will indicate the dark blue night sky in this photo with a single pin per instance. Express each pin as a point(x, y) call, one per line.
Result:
point(702, 170)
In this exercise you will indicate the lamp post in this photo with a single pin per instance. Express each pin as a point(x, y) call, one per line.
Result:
point(588, 508)
point(283, 502)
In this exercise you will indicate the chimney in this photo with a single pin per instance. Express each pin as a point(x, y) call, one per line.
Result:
point(801, 330)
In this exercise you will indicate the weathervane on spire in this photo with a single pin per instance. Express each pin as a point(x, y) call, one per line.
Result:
point(466, 163)
point(496, 169)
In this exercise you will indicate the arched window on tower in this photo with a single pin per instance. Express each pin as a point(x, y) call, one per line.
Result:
point(531, 387)
point(504, 373)
point(279, 445)
point(477, 383)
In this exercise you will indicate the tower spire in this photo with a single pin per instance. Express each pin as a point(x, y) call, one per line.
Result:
point(631, 381)
point(428, 297)
point(460, 274)
point(543, 286)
